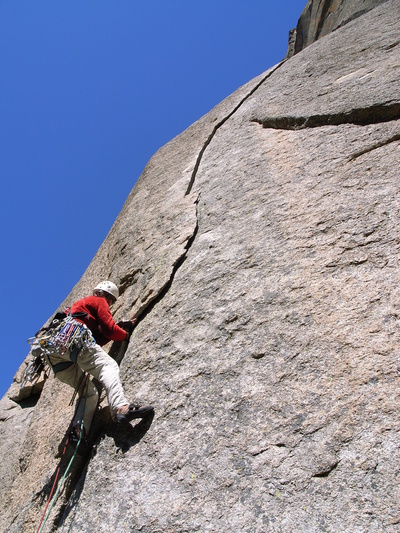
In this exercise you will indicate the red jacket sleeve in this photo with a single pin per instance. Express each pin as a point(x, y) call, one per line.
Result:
point(98, 319)
point(108, 327)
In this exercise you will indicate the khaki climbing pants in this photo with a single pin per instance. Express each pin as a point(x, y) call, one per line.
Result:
point(96, 362)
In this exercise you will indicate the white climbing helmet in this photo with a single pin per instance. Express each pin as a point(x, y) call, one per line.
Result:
point(108, 286)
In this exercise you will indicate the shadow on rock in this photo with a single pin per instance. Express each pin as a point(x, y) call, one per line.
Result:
point(126, 435)
point(78, 461)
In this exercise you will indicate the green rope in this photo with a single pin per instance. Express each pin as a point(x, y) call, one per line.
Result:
point(54, 499)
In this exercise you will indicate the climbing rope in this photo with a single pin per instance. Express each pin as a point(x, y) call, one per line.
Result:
point(52, 499)
point(81, 381)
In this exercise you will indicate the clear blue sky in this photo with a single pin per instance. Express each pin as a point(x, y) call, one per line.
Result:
point(89, 91)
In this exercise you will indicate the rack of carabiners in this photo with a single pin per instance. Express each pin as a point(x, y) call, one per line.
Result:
point(70, 334)
point(63, 335)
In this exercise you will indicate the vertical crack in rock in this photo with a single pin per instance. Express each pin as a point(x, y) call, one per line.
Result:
point(222, 122)
point(150, 306)
point(118, 348)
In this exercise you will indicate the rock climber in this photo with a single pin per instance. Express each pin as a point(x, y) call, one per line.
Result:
point(94, 313)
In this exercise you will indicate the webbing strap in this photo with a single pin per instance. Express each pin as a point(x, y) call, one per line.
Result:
point(73, 355)
point(59, 367)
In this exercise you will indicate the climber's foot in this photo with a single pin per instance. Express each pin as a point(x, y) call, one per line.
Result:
point(126, 413)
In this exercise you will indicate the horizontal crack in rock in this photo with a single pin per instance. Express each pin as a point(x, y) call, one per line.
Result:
point(361, 117)
point(392, 139)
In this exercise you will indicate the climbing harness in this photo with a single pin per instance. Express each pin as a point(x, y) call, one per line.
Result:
point(64, 335)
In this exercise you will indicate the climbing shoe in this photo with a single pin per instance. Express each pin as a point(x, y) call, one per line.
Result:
point(134, 411)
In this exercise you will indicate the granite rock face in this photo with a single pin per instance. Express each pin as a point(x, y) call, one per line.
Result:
point(259, 250)
point(321, 17)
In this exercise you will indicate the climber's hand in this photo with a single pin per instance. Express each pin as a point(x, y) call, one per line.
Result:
point(127, 325)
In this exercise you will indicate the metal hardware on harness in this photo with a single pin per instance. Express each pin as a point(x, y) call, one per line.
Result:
point(66, 335)
point(35, 368)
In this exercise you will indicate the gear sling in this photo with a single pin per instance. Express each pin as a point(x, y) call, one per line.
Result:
point(64, 334)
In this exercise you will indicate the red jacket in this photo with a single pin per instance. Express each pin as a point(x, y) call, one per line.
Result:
point(99, 319)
